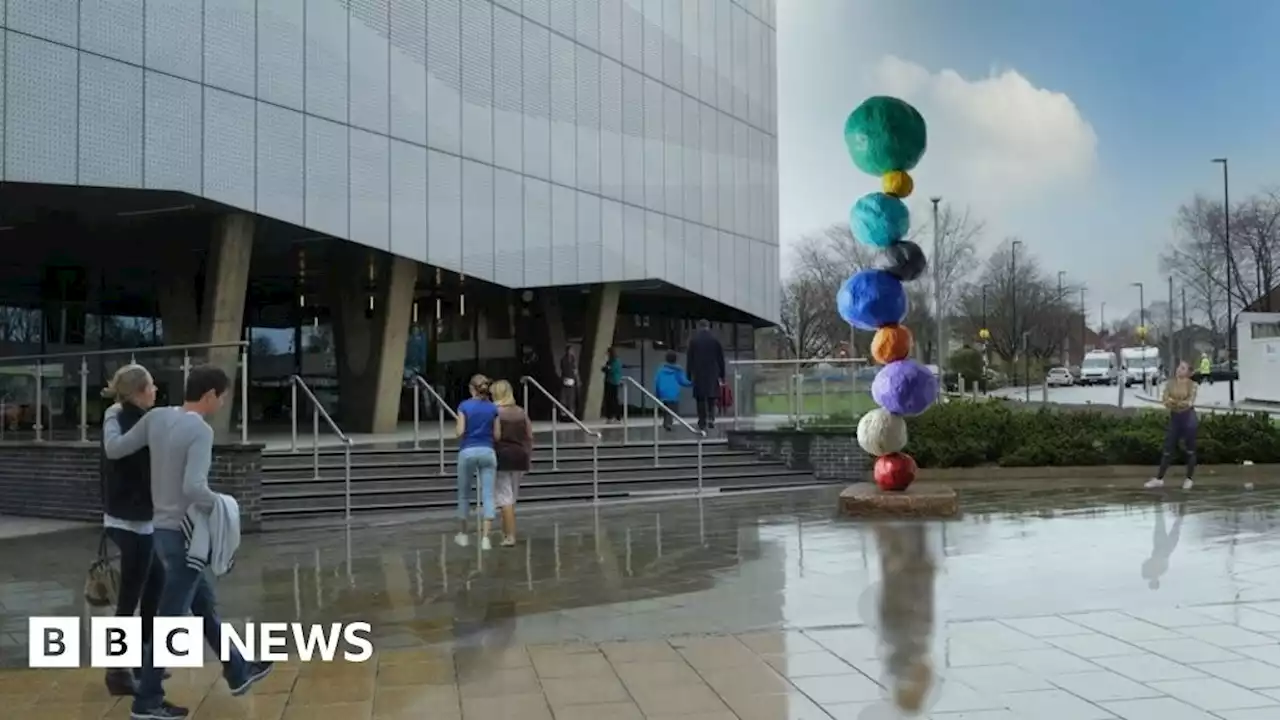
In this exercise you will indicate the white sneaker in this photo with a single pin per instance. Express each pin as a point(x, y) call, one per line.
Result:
point(1154, 483)
point(485, 544)
point(1188, 484)
point(462, 539)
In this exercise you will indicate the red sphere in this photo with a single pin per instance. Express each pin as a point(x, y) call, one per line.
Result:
point(895, 472)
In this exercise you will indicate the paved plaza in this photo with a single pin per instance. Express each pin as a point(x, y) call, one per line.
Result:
point(1047, 605)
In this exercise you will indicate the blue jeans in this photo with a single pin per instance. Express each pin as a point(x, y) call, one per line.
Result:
point(472, 462)
point(185, 590)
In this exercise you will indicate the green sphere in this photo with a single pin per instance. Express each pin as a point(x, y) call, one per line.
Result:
point(884, 134)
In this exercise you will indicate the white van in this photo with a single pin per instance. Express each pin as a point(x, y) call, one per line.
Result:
point(1100, 367)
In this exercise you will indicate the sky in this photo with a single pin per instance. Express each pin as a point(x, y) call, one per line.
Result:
point(1078, 126)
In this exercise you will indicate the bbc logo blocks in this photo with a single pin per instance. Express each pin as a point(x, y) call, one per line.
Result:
point(116, 642)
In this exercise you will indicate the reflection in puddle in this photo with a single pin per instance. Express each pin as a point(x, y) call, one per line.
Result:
point(906, 612)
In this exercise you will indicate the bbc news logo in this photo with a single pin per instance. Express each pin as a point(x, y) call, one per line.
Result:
point(116, 642)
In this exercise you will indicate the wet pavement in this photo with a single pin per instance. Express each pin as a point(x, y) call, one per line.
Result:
point(1037, 605)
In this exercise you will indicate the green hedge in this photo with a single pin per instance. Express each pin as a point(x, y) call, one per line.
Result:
point(970, 434)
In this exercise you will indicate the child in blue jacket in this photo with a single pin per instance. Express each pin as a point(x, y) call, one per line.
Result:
point(666, 385)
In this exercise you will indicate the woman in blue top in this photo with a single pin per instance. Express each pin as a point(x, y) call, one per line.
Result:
point(476, 458)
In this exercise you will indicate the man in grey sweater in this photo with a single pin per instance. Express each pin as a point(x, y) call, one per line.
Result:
point(181, 444)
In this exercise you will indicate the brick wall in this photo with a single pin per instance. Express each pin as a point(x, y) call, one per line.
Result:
point(62, 480)
point(828, 455)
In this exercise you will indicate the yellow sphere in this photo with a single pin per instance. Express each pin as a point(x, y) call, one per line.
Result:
point(897, 183)
point(985, 334)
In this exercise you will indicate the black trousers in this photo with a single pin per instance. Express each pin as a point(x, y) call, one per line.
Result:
point(141, 577)
point(612, 403)
point(706, 412)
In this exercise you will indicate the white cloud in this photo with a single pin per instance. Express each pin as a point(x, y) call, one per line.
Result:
point(992, 140)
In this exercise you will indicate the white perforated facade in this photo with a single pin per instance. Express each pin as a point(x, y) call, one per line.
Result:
point(526, 142)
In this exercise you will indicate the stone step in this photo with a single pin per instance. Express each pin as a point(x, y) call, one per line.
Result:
point(415, 478)
point(276, 474)
point(420, 497)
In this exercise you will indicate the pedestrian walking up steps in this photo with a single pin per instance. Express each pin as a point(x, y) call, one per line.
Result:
point(403, 479)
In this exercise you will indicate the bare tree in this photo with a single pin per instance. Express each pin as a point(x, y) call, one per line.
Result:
point(1040, 310)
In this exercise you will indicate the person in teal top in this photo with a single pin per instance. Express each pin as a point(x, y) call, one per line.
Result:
point(667, 384)
point(612, 384)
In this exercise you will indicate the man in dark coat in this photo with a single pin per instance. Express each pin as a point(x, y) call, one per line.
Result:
point(704, 363)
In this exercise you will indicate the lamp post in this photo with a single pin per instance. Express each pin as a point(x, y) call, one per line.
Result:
point(1083, 322)
point(983, 333)
point(1013, 320)
point(937, 284)
point(1142, 326)
point(1063, 355)
point(1226, 241)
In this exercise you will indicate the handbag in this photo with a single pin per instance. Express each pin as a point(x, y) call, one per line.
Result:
point(102, 586)
point(726, 396)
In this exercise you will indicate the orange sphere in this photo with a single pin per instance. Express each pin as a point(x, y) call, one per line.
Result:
point(891, 343)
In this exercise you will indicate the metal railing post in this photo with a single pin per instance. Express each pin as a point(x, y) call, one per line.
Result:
point(293, 413)
point(626, 413)
point(440, 439)
point(555, 435)
point(39, 425)
point(595, 471)
point(84, 399)
point(346, 460)
point(244, 396)
point(4, 418)
point(737, 398)
point(186, 366)
point(823, 397)
point(700, 466)
point(655, 436)
point(315, 440)
point(417, 410)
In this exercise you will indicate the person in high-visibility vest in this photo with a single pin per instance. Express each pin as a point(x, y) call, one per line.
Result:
point(1206, 369)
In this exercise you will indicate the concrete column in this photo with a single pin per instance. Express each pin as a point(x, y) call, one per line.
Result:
point(601, 320)
point(553, 318)
point(370, 345)
point(226, 284)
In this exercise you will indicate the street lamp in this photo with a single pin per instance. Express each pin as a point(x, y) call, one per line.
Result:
point(1083, 321)
point(1102, 319)
point(937, 282)
point(983, 333)
point(1226, 240)
point(1063, 353)
point(1013, 321)
point(1142, 328)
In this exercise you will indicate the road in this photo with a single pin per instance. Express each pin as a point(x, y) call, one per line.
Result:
point(1215, 395)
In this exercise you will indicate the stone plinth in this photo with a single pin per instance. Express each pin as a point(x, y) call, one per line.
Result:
point(921, 500)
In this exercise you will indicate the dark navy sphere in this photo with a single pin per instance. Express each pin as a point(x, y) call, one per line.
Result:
point(872, 299)
point(904, 260)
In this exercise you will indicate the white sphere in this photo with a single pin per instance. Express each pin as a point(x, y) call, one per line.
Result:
point(880, 432)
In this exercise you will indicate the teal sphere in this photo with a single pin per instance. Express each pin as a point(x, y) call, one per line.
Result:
point(879, 220)
point(885, 134)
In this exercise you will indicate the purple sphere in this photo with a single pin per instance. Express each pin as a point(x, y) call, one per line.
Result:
point(905, 387)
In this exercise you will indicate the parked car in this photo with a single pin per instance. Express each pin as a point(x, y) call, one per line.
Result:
point(1059, 377)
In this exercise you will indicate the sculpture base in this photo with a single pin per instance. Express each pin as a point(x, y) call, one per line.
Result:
point(920, 500)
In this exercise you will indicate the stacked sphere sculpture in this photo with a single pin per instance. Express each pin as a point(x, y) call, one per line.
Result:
point(886, 137)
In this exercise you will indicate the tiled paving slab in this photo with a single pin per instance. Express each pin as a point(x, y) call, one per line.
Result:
point(1045, 606)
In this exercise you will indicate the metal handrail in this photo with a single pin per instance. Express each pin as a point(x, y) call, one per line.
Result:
point(39, 361)
point(420, 383)
point(121, 351)
point(658, 406)
point(526, 381)
point(317, 411)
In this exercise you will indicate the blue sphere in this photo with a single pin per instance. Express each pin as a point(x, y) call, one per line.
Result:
point(879, 220)
point(872, 299)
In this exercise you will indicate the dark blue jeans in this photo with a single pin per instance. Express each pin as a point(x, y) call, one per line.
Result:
point(185, 591)
point(1182, 426)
